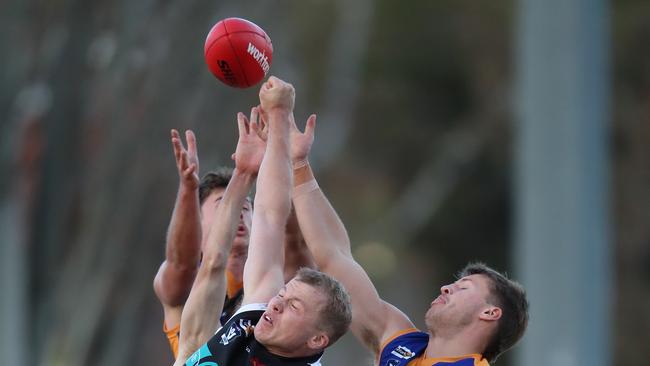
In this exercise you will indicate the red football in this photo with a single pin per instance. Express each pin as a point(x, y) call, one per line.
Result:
point(238, 52)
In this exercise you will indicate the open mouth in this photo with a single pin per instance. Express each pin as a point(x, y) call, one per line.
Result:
point(241, 230)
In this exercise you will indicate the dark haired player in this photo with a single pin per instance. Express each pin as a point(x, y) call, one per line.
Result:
point(277, 324)
point(469, 323)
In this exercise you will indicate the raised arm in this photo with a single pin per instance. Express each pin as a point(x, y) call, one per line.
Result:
point(202, 310)
point(296, 253)
point(174, 279)
point(263, 273)
point(373, 320)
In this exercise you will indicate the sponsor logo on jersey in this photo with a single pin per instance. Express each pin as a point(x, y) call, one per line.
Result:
point(243, 327)
point(233, 332)
point(392, 362)
point(259, 56)
point(403, 352)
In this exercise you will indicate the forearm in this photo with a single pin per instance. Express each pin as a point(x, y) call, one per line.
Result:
point(201, 314)
point(184, 234)
point(296, 253)
point(321, 227)
point(329, 243)
point(275, 176)
point(263, 273)
point(224, 225)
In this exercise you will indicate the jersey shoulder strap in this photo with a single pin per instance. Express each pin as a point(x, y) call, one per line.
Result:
point(403, 348)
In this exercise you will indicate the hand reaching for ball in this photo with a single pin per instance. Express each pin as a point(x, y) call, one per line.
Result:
point(277, 95)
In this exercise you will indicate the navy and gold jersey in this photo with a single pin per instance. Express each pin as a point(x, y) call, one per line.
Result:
point(406, 348)
point(234, 345)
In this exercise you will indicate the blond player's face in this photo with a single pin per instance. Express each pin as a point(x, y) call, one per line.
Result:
point(459, 303)
point(208, 210)
point(291, 317)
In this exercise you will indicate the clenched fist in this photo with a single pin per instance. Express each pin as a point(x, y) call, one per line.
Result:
point(277, 94)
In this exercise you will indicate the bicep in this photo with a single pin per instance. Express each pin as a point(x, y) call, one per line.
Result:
point(373, 319)
point(200, 318)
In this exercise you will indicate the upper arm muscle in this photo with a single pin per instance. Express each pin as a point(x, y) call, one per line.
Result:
point(373, 319)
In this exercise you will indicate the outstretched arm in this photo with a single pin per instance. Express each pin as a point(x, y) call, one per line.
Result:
point(174, 279)
point(373, 320)
point(263, 273)
point(201, 314)
point(296, 253)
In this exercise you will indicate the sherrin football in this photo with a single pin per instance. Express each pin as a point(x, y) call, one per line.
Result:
point(238, 52)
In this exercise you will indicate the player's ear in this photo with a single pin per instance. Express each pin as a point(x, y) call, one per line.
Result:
point(490, 313)
point(319, 341)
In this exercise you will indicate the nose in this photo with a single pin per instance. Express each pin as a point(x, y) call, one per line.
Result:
point(277, 306)
point(446, 290)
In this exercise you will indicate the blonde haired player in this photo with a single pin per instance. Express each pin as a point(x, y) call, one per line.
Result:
point(277, 324)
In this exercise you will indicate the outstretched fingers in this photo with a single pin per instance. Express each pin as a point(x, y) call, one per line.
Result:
point(242, 124)
point(177, 145)
point(191, 143)
point(263, 130)
point(310, 126)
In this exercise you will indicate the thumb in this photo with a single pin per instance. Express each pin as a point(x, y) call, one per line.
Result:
point(310, 126)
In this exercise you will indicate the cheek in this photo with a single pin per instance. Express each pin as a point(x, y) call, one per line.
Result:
point(248, 218)
point(293, 321)
point(207, 213)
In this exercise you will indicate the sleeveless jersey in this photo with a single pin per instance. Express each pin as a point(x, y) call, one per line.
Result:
point(406, 348)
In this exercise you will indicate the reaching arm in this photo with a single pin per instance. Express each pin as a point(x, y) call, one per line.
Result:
point(201, 314)
point(174, 279)
point(296, 253)
point(373, 320)
point(263, 272)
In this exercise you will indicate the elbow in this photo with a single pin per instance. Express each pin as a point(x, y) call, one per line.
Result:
point(215, 262)
point(325, 258)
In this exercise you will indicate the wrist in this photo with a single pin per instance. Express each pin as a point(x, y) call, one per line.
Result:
point(305, 188)
point(280, 111)
point(299, 163)
point(302, 175)
point(244, 173)
point(188, 188)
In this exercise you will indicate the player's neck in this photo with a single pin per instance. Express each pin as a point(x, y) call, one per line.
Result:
point(459, 343)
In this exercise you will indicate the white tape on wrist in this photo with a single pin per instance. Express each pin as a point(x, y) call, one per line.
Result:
point(305, 188)
point(300, 163)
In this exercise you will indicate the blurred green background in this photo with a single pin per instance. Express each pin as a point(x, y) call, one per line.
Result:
point(414, 147)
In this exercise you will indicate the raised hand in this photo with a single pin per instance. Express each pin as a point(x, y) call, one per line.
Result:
point(301, 142)
point(187, 161)
point(276, 94)
point(250, 146)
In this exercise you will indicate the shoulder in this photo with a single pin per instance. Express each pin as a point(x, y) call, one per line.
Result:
point(249, 314)
point(228, 344)
point(402, 346)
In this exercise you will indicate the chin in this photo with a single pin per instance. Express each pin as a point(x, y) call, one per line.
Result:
point(241, 241)
point(260, 335)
